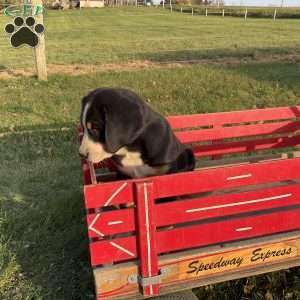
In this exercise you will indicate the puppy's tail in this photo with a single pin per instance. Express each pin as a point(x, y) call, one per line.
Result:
point(185, 162)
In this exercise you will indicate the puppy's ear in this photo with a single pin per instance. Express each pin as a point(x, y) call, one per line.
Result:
point(84, 101)
point(123, 125)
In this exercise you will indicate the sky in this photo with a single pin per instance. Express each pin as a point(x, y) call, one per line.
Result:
point(263, 2)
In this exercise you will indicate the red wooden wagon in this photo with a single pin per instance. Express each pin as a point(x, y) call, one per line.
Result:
point(236, 215)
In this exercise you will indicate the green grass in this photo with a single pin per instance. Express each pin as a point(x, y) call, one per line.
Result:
point(111, 35)
point(43, 238)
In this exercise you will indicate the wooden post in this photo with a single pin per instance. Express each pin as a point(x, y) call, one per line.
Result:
point(223, 13)
point(147, 236)
point(275, 13)
point(181, 9)
point(39, 50)
point(192, 11)
point(246, 13)
point(206, 12)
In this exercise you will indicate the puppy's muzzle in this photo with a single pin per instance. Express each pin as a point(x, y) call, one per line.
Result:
point(83, 156)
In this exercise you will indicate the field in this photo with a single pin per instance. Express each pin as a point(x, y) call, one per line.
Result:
point(180, 64)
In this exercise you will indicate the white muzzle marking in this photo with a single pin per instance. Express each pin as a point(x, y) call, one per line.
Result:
point(93, 151)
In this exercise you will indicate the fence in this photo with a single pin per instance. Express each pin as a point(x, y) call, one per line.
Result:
point(244, 12)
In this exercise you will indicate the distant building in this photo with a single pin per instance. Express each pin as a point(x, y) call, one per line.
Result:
point(91, 3)
point(65, 4)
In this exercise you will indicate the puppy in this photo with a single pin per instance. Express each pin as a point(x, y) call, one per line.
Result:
point(118, 124)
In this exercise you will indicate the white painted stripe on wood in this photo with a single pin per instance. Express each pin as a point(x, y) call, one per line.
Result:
point(238, 203)
point(122, 248)
point(114, 223)
point(148, 236)
point(239, 177)
point(244, 229)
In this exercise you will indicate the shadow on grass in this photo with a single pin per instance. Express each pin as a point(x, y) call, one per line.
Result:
point(44, 245)
point(237, 53)
point(267, 79)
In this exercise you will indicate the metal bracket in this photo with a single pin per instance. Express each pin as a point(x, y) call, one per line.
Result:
point(146, 281)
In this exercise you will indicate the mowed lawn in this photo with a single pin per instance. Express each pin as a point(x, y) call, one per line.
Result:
point(120, 35)
point(43, 239)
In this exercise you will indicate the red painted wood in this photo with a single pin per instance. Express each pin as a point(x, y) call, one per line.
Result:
point(219, 232)
point(175, 212)
point(246, 146)
point(204, 234)
point(229, 204)
point(111, 193)
point(146, 236)
point(86, 172)
point(195, 182)
point(109, 251)
point(234, 117)
point(112, 222)
point(217, 178)
point(193, 136)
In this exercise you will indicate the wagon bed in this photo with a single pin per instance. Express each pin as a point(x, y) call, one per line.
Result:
point(235, 215)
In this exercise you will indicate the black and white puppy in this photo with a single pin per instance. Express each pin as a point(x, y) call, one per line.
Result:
point(118, 124)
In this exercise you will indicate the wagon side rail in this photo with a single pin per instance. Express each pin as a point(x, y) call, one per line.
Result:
point(140, 220)
point(239, 131)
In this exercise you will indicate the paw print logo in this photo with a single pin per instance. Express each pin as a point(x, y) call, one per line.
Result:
point(24, 31)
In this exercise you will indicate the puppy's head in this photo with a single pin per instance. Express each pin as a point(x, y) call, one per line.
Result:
point(111, 119)
point(93, 123)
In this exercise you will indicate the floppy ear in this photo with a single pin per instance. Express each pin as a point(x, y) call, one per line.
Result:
point(84, 101)
point(123, 124)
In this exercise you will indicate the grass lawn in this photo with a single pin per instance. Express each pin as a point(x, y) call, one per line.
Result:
point(118, 35)
point(43, 239)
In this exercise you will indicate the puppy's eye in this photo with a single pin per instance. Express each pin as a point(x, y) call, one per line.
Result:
point(95, 127)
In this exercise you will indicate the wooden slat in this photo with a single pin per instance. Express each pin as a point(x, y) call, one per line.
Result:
point(109, 251)
point(246, 227)
point(227, 177)
point(112, 222)
point(218, 119)
point(106, 194)
point(246, 146)
point(193, 136)
point(103, 252)
point(182, 211)
point(229, 204)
